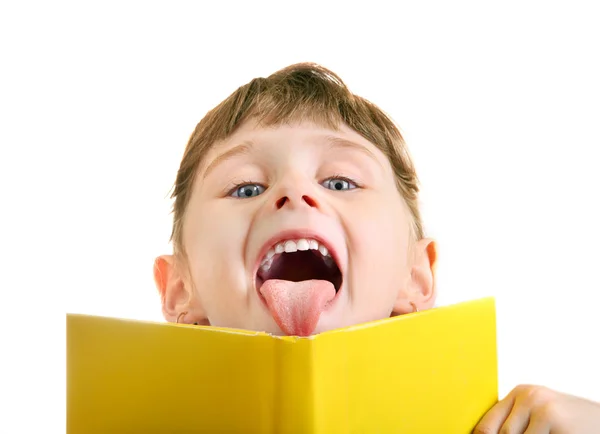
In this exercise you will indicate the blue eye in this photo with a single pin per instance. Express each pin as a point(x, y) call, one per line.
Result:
point(248, 190)
point(339, 184)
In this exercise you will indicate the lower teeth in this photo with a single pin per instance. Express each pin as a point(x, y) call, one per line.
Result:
point(328, 260)
point(265, 266)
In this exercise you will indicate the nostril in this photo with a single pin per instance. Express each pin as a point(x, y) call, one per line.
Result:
point(310, 201)
point(279, 204)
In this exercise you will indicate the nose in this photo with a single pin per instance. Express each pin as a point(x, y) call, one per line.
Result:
point(295, 200)
point(296, 190)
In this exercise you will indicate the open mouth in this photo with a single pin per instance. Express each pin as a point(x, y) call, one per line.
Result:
point(297, 261)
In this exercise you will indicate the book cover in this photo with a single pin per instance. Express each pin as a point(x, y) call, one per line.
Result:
point(425, 372)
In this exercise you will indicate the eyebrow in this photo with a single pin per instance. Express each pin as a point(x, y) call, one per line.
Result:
point(247, 146)
point(339, 143)
point(241, 149)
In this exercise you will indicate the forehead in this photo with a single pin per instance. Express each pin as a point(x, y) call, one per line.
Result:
point(252, 137)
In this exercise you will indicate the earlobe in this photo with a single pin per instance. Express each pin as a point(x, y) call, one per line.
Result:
point(175, 296)
point(420, 290)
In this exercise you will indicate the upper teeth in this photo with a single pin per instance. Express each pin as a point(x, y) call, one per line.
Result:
point(290, 246)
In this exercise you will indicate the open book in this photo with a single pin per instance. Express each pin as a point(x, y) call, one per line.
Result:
point(427, 372)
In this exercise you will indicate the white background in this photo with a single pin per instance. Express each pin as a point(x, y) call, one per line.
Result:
point(500, 106)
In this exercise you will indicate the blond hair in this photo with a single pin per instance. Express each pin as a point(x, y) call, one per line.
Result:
point(300, 92)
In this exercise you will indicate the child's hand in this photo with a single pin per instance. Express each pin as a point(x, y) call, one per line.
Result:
point(538, 410)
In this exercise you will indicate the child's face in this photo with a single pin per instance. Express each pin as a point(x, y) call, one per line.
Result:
point(300, 182)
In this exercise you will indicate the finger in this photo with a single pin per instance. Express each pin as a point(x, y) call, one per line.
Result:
point(495, 417)
point(538, 424)
point(518, 419)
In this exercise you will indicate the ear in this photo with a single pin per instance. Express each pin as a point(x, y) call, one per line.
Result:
point(420, 291)
point(175, 295)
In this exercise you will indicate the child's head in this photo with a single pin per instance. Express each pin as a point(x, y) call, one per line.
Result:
point(295, 212)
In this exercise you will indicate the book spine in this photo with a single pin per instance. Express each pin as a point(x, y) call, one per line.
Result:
point(295, 388)
point(330, 377)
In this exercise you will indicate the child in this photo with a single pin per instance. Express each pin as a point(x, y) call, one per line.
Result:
point(296, 212)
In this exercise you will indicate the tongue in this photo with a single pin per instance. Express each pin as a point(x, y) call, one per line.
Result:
point(297, 306)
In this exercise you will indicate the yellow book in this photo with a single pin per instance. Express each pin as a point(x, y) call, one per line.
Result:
point(427, 372)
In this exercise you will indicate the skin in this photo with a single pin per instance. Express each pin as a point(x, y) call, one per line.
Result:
point(539, 410)
point(385, 271)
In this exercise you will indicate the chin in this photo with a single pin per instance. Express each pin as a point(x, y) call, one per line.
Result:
point(328, 323)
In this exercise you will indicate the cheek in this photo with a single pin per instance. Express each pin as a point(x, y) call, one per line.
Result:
point(380, 227)
point(378, 243)
point(214, 244)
